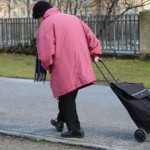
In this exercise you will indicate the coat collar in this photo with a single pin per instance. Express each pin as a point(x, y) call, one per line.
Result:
point(50, 12)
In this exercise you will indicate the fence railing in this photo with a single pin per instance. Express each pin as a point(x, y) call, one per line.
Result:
point(17, 31)
point(117, 36)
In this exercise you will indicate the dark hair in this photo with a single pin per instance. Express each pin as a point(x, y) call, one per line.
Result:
point(40, 8)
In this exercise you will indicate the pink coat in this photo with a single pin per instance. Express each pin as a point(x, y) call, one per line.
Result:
point(65, 47)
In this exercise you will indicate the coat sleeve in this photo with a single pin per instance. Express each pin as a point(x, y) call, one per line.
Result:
point(93, 43)
point(45, 47)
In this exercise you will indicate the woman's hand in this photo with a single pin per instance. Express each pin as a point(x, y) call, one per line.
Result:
point(96, 59)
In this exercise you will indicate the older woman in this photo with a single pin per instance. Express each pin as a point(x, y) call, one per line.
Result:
point(66, 46)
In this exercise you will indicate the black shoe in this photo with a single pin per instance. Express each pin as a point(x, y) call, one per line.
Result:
point(58, 125)
point(73, 134)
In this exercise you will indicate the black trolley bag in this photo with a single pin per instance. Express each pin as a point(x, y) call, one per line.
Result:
point(136, 100)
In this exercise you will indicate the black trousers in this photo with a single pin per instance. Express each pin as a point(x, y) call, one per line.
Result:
point(68, 112)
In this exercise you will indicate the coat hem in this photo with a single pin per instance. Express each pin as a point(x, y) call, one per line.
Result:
point(78, 87)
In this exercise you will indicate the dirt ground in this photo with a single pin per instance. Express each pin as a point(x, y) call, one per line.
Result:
point(15, 143)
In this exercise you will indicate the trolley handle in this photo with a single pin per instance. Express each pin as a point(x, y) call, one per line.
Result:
point(100, 60)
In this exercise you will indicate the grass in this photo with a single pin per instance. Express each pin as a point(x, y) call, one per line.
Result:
point(129, 70)
point(20, 66)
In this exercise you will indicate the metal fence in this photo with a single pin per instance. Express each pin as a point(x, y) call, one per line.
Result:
point(117, 36)
point(17, 31)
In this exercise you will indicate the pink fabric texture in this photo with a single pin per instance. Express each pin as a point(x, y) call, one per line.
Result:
point(65, 47)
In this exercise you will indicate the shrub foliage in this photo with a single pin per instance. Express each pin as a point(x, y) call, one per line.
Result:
point(21, 49)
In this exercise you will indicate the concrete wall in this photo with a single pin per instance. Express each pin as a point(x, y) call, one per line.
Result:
point(144, 23)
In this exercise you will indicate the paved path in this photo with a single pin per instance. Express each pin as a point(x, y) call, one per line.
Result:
point(26, 108)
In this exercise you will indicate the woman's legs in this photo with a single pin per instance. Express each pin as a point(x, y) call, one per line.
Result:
point(68, 111)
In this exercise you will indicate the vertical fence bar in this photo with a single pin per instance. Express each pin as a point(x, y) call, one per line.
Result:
point(101, 35)
point(2, 33)
point(122, 32)
point(6, 33)
point(118, 33)
point(1, 43)
point(110, 42)
point(114, 36)
point(130, 33)
point(134, 34)
point(15, 31)
point(138, 33)
point(126, 28)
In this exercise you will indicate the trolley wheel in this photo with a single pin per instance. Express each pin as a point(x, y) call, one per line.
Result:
point(140, 135)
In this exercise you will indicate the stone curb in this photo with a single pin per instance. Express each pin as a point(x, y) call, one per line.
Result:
point(53, 140)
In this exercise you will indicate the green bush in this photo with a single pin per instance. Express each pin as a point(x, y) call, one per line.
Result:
point(21, 49)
